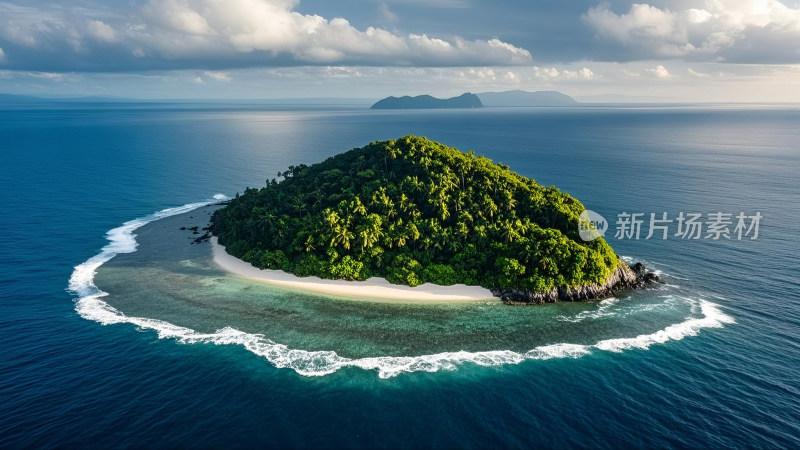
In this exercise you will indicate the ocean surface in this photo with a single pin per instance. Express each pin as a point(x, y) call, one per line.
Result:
point(159, 349)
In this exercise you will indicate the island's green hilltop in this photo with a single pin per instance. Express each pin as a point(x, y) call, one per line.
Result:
point(414, 211)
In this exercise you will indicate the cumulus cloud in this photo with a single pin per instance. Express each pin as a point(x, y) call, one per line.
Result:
point(659, 71)
point(584, 73)
point(553, 74)
point(218, 76)
point(342, 72)
point(214, 34)
point(717, 30)
point(101, 31)
point(484, 74)
point(544, 72)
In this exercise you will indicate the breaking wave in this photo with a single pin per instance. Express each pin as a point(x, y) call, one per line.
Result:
point(90, 305)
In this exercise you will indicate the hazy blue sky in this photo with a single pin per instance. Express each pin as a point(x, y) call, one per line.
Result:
point(678, 50)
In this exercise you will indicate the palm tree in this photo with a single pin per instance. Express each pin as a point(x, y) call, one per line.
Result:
point(509, 232)
point(454, 246)
point(309, 244)
point(511, 202)
point(490, 206)
point(371, 232)
point(412, 231)
point(445, 213)
point(480, 231)
point(342, 235)
point(357, 207)
point(331, 217)
point(462, 230)
point(405, 202)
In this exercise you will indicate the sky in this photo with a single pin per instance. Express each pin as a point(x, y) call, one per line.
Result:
point(662, 50)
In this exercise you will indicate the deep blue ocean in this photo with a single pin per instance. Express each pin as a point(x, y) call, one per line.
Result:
point(72, 172)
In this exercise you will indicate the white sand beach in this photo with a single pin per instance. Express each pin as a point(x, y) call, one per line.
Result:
point(375, 288)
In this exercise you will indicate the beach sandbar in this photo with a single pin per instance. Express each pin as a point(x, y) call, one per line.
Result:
point(375, 288)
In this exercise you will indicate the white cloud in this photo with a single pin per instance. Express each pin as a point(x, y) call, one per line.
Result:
point(2, 55)
point(232, 33)
point(46, 75)
point(342, 72)
point(642, 25)
point(697, 74)
point(583, 73)
point(659, 71)
point(101, 31)
point(251, 26)
point(177, 15)
point(642, 21)
point(698, 15)
point(218, 76)
point(198, 80)
point(484, 74)
point(742, 30)
point(545, 72)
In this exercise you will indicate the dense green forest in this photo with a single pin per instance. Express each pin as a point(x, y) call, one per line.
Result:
point(414, 211)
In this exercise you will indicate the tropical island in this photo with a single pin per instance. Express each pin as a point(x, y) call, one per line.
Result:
point(414, 211)
point(463, 101)
point(468, 100)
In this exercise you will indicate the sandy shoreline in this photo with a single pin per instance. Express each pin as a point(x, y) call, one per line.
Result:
point(376, 288)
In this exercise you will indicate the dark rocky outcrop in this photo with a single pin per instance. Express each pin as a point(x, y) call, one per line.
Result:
point(625, 277)
point(200, 239)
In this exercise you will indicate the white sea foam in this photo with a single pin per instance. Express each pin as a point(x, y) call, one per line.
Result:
point(713, 317)
point(668, 304)
point(317, 363)
point(121, 240)
point(603, 309)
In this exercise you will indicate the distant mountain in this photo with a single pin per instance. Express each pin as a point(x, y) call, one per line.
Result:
point(427, 102)
point(525, 98)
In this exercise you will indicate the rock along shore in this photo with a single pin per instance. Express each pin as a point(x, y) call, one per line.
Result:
point(625, 277)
